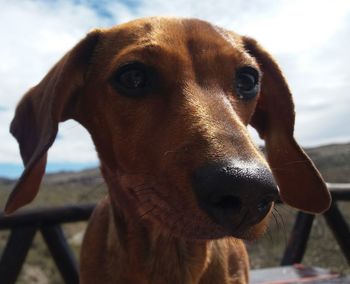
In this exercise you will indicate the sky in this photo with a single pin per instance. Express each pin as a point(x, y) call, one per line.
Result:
point(310, 39)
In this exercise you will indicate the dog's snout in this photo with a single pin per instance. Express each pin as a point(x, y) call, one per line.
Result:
point(235, 195)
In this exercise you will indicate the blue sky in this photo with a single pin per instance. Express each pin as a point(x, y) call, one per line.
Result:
point(310, 39)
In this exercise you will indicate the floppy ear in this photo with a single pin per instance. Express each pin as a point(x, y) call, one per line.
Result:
point(301, 185)
point(37, 116)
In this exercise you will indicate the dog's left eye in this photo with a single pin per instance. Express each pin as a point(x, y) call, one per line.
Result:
point(247, 83)
point(132, 79)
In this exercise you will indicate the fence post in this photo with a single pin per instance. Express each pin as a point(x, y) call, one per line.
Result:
point(298, 239)
point(61, 252)
point(15, 252)
point(340, 229)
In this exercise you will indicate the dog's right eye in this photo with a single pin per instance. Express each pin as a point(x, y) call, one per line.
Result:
point(247, 83)
point(132, 79)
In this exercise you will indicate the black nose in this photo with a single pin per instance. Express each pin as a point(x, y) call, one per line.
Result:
point(233, 194)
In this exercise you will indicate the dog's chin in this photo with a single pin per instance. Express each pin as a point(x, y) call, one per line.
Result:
point(191, 230)
point(250, 233)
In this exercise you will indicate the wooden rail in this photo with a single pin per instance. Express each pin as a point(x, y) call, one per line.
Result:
point(24, 225)
point(299, 236)
point(46, 216)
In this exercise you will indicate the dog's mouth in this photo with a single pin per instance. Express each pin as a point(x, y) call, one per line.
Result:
point(174, 211)
point(180, 219)
point(173, 218)
point(246, 221)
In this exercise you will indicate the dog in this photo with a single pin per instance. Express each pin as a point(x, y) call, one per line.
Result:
point(167, 103)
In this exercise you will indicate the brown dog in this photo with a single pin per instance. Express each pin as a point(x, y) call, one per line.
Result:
point(167, 103)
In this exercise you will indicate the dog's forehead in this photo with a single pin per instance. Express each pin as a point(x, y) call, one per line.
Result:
point(161, 32)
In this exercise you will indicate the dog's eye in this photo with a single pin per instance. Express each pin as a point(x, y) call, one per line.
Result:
point(132, 78)
point(247, 83)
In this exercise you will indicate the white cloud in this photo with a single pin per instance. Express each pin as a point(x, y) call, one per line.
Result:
point(309, 39)
point(34, 36)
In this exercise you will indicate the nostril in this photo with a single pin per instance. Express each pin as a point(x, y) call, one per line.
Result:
point(264, 205)
point(227, 202)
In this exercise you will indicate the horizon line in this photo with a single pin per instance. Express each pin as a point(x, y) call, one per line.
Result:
point(14, 170)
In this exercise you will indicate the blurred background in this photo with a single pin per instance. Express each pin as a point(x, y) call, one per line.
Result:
point(310, 40)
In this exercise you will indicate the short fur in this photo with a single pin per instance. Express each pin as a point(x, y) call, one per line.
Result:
point(150, 229)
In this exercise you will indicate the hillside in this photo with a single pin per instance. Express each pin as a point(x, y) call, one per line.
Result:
point(60, 188)
point(333, 161)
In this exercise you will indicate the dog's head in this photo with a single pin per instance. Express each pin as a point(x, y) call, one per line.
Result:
point(167, 103)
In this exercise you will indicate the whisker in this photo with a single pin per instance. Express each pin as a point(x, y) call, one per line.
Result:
point(283, 225)
point(147, 212)
point(168, 152)
point(139, 185)
point(276, 221)
point(269, 234)
point(145, 189)
point(172, 229)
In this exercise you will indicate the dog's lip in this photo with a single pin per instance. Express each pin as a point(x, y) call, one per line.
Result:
point(239, 230)
point(199, 226)
point(196, 226)
point(242, 227)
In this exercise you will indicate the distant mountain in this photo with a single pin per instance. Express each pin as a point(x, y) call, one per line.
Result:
point(333, 161)
point(6, 181)
point(90, 177)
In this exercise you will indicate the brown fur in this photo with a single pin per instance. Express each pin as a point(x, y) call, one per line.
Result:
point(150, 228)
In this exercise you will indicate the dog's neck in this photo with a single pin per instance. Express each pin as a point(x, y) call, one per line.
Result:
point(147, 249)
point(146, 252)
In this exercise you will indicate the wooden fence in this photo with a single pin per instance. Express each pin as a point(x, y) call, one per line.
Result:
point(26, 223)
